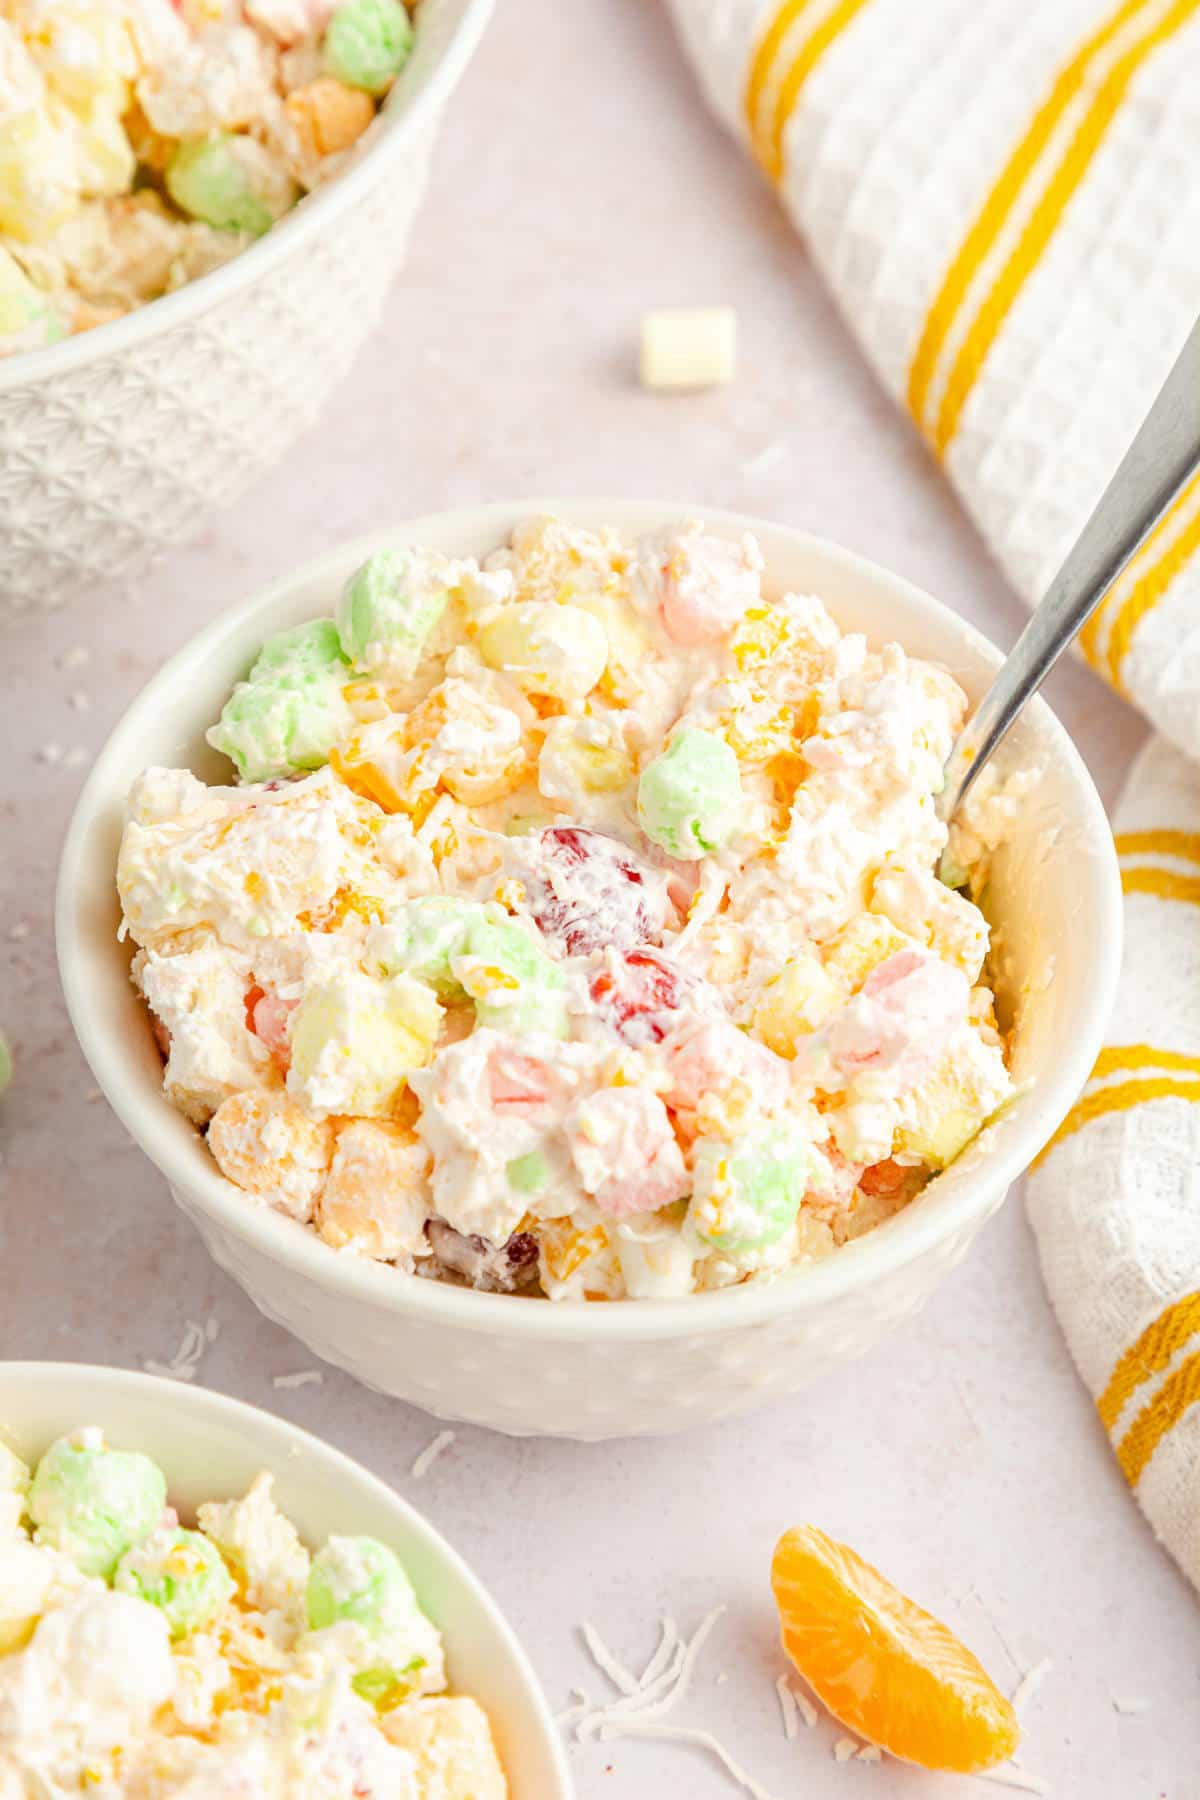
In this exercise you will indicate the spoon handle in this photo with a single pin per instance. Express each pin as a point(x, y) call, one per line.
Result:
point(1159, 461)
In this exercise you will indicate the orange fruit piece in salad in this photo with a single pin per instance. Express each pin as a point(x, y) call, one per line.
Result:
point(885, 1668)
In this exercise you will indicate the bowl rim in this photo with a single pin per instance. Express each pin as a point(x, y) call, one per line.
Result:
point(210, 1403)
point(903, 1240)
point(308, 218)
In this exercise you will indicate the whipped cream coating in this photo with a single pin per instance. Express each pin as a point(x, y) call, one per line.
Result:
point(144, 143)
point(571, 914)
point(304, 1677)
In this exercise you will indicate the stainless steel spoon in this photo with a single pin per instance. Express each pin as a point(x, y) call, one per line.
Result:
point(1161, 458)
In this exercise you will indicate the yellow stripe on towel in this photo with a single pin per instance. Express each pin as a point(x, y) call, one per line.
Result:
point(1164, 883)
point(1120, 1098)
point(1151, 587)
point(1177, 1395)
point(1183, 844)
point(1046, 217)
point(982, 236)
point(763, 62)
point(1154, 1349)
point(1123, 1057)
point(1130, 581)
point(767, 132)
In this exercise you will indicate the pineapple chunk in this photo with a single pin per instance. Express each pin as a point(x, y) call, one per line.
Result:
point(799, 1000)
point(27, 1579)
point(941, 1136)
point(941, 1116)
point(628, 643)
point(917, 902)
point(451, 1740)
point(861, 945)
point(565, 1248)
point(584, 755)
point(355, 1040)
point(14, 1484)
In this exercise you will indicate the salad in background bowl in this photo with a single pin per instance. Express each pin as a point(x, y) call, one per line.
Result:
point(198, 1598)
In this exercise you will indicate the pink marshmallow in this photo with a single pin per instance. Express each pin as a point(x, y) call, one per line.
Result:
point(706, 585)
point(625, 1152)
point(705, 1055)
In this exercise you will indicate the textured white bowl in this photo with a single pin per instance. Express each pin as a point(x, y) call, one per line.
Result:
point(522, 1365)
point(211, 1448)
point(117, 445)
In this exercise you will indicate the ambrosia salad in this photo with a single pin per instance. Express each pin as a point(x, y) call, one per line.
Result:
point(145, 142)
point(571, 924)
point(140, 1659)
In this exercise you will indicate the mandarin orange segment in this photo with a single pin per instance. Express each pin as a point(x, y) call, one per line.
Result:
point(886, 1669)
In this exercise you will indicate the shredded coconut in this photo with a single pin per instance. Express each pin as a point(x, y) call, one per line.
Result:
point(845, 1748)
point(668, 1640)
point(606, 1662)
point(430, 1454)
point(808, 1711)
point(186, 1360)
point(869, 1753)
point(579, 1705)
point(1011, 1777)
point(18, 931)
point(788, 1707)
point(642, 1701)
point(1129, 1706)
point(685, 1734)
point(1029, 1683)
point(301, 1378)
point(75, 657)
point(767, 458)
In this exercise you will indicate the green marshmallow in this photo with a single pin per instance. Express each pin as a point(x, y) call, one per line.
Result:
point(528, 1174)
point(368, 42)
point(315, 646)
point(746, 1195)
point(292, 710)
point(383, 1687)
point(361, 1580)
point(95, 1504)
point(388, 609)
point(207, 181)
point(421, 938)
point(516, 987)
point(181, 1573)
point(690, 797)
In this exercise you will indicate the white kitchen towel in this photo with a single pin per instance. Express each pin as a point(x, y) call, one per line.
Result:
point(1115, 1196)
point(1004, 197)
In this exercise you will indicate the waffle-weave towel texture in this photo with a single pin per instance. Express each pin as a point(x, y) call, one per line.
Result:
point(1005, 200)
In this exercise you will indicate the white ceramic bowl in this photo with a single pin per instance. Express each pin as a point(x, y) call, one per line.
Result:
point(523, 1365)
point(211, 1448)
point(117, 445)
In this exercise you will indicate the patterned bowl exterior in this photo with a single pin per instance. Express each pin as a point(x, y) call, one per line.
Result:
point(111, 456)
point(592, 1387)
